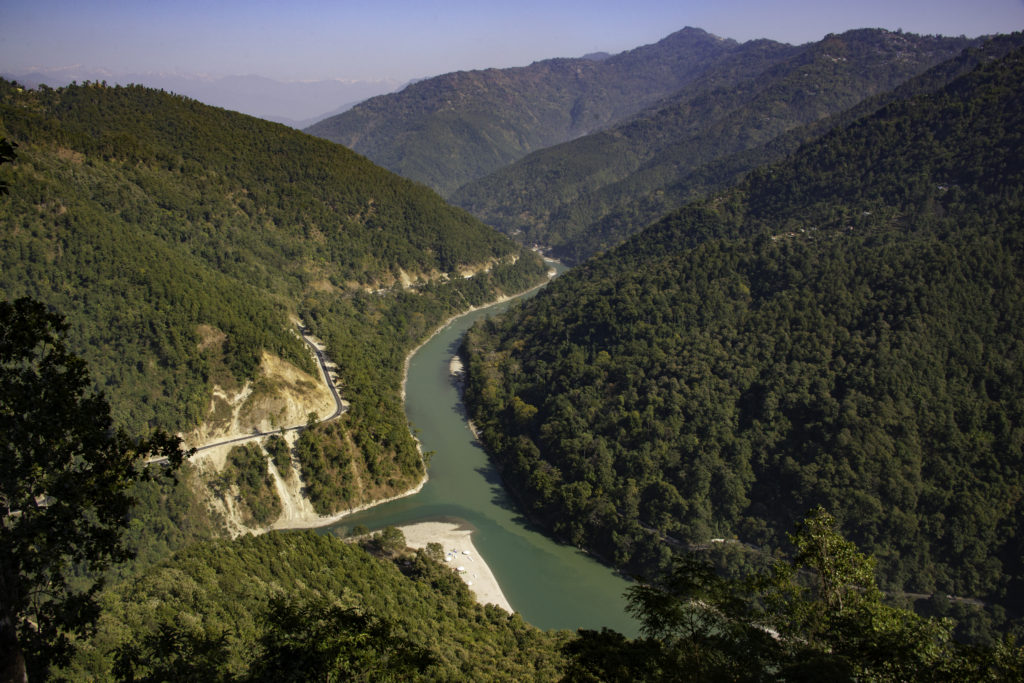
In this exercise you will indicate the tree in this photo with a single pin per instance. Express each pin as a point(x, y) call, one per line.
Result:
point(300, 639)
point(700, 626)
point(390, 540)
point(6, 157)
point(316, 640)
point(65, 476)
point(435, 551)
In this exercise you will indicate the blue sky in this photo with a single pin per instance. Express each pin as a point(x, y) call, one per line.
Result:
point(404, 39)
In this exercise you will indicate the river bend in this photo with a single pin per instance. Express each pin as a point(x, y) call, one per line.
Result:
point(551, 585)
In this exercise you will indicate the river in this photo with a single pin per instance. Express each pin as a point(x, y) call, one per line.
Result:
point(553, 586)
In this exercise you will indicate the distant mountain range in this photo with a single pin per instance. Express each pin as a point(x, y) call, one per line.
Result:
point(294, 103)
point(451, 129)
point(754, 105)
point(576, 154)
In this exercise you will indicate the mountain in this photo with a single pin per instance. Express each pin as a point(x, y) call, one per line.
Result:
point(449, 130)
point(588, 194)
point(183, 242)
point(841, 329)
point(294, 103)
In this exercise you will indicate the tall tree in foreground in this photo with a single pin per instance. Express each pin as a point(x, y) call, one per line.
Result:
point(819, 617)
point(65, 476)
point(6, 157)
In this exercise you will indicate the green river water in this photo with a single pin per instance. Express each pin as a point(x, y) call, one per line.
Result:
point(553, 586)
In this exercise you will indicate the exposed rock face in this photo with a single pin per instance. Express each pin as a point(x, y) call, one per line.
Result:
point(282, 396)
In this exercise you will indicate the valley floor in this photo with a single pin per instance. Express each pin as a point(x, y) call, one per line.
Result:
point(456, 540)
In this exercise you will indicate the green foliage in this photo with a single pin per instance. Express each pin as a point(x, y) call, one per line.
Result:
point(246, 469)
point(308, 640)
point(389, 541)
point(245, 609)
point(328, 470)
point(172, 654)
point(6, 156)
point(753, 105)
point(169, 513)
point(324, 642)
point(65, 488)
point(369, 337)
point(840, 330)
point(448, 130)
point(699, 626)
point(280, 454)
point(435, 551)
point(180, 238)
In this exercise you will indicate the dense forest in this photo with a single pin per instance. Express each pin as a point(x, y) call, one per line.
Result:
point(751, 107)
point(181, 243)
point(840, 330)
point(815, 615)
point(224, 610)
point(146, 217)
point(298, 606)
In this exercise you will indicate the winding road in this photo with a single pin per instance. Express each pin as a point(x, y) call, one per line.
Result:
point(339, 406)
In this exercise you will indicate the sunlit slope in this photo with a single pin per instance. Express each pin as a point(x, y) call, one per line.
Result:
point(181, 240)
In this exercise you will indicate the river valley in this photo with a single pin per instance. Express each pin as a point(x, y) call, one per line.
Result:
point(551, 585)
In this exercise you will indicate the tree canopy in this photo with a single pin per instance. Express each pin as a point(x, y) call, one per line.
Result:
point(841, 329)
point(817, 617)
point(302, 606)
point(65, 479)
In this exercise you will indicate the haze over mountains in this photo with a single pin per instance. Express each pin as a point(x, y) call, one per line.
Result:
point(294, 103)
point(448, 130)
point(639, 135)
point(750, 108)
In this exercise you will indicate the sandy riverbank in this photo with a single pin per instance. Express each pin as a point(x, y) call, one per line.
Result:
point(458, 547)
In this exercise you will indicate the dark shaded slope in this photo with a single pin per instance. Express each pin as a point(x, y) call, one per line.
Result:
point(843, 329)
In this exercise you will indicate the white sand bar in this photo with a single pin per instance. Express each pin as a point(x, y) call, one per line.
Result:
point(455, 540)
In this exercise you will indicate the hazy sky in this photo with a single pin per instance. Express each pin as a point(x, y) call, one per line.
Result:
point(403, 39)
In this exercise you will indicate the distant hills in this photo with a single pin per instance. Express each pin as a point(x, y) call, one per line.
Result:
point(840, 329)
point(451, 129)
point(750, 107)
point(294, 103)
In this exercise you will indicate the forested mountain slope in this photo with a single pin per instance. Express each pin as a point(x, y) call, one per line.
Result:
point(448, 130)
point(261, 607)
point(843, 329)
point(181, 242)
point(589, 194)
